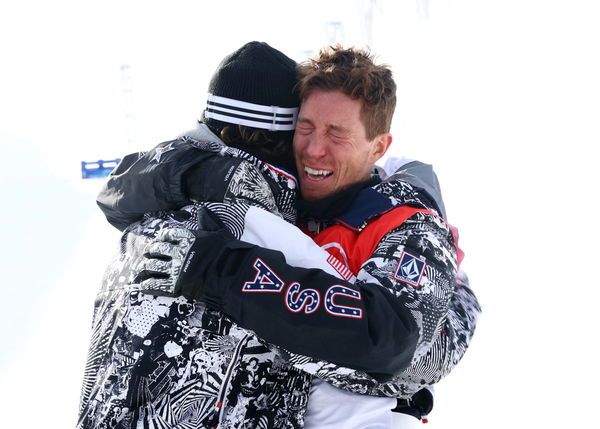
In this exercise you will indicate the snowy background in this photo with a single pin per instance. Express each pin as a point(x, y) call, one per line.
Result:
point(503, 97)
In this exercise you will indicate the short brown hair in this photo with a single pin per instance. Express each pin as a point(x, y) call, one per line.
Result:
point(353, 72)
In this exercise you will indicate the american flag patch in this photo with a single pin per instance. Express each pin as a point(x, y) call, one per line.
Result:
point(342, 269)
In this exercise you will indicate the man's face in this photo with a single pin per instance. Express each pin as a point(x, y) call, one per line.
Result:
point(330, 144)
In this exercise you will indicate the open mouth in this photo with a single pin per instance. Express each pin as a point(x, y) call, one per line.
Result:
point(314, 174)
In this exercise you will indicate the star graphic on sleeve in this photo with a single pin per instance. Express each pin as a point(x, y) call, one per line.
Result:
point(158, 152)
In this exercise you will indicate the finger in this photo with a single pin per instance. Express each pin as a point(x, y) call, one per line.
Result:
point(161, 250)
point(153, 266)
point(175, 235)
point(208, 221)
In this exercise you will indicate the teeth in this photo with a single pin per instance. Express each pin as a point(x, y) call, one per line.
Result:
point(314, 172)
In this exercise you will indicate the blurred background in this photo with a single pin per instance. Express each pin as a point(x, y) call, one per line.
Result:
point(502, 97)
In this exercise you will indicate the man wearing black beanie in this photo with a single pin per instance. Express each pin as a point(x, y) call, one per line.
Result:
point(251, 105)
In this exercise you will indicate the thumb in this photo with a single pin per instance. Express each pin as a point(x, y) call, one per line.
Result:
point(209, 221)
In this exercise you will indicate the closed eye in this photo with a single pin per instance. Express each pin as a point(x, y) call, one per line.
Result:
point(338, 134)
point(304, 129)
point(337, 137)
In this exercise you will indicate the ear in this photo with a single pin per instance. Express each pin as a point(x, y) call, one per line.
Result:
point(380, 145)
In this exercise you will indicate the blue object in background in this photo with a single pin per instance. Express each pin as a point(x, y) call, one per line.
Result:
point(98, 169)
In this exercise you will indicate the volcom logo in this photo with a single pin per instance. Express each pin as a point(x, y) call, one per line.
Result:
point(233, 167)
point(189, 261)
point(410, 269)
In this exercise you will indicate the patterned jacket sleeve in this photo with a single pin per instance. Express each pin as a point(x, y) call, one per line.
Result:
point(445, 352)
point(157, 181)
point(417, 263)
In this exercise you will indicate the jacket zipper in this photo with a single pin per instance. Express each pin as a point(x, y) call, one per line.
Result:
point(223, 390)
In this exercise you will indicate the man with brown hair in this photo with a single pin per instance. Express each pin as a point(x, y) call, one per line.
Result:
point(407, 319)
point(347, 101)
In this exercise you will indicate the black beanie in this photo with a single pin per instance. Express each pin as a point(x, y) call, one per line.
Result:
point(253, 86)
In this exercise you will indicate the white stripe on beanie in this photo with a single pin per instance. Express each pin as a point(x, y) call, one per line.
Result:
point(272, 118)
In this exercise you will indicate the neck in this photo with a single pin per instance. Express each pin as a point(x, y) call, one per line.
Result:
point(333, 205)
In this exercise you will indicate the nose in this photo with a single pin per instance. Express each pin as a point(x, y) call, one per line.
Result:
point(315, 147)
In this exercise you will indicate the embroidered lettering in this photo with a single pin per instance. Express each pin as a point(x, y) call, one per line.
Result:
point(342, 310)
point(265, 280)
point(296, 300)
